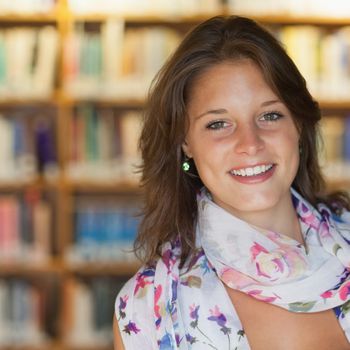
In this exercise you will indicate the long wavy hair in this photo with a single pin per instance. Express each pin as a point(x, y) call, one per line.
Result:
point(170, 208)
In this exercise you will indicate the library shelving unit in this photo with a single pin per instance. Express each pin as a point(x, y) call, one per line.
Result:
point(73, 148)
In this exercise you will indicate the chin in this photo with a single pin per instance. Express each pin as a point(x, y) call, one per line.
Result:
point(256, 207)
point(257, 204)
point(263, 202)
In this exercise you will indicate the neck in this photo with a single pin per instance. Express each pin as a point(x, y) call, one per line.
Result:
point(282, 219)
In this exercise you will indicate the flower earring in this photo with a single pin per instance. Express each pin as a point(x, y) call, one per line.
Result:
point(186, 165)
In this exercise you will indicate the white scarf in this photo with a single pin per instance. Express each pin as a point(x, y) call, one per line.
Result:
point(275, 268)
point(189, 306)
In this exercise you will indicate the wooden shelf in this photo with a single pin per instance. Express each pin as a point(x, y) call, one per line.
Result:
point(27, 268)
point(58, 267)
point(147, 19)
point(122, 186)
point(91, 186)
point(45, 346)
point(38, 183)
point(108, 102)
point(332, 105)
point(85, 347)
point(25, 101)
point(297, 19)
point(56, 346)
point(59, 98)
point(114, 269)
point(29, 18)
point(338, 184)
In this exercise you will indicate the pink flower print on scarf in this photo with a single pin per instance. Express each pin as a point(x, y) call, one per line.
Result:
point(235, 279)
point(143, 280)
point(328, 294)
point(344, 291)
point(307, 216)
point(257, 295)
point(270, 265)
point(285, 262)
point(157, 295)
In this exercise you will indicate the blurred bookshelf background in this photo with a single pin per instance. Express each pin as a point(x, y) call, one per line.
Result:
point(73, 78)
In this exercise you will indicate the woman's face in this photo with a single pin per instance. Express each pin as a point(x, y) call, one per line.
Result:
point(242, 139)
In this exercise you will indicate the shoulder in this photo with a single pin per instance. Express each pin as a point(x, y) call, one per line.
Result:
point(138, 289)
point(134, 310)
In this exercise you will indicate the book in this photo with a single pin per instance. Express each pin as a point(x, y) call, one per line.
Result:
point(114, 61)
point(26, 226)
point(6, 157)
point(297, 8)
point(28, 61)
point(27, 6)
point(21, 321)
point(130, 130)
point(20, 44)
point(301, 39)
point(44, 72)
point(103, 144)
point(104, 230)
point(42, 222)
point(331, 150)
point(146, 7)
point(112, 45)
point(89, 309)
point(82, 317)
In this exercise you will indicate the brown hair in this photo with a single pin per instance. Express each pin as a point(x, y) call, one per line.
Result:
point(170, 208)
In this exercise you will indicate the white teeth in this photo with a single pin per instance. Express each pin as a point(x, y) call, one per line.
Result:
point(249, 171)
point(259, 169)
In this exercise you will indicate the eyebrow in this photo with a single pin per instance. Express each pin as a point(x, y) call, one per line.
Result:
point(212, 111)
point(270, 102)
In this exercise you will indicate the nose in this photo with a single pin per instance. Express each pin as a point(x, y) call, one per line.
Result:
point(248, 139)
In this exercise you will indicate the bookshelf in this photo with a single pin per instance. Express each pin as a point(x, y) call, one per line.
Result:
point(68, 99)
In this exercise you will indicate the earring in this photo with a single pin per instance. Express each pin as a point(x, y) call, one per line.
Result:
point(186, 165)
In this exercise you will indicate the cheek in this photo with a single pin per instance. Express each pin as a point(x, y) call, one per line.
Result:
point(291, 153)
point(288, 143)
point(208, 161)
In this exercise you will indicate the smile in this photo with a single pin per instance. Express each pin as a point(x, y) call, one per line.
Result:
point(252, 171)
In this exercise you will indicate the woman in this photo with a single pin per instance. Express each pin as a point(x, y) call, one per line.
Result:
point(242, 247)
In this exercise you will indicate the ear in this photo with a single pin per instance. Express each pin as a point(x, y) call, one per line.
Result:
point(186, 149)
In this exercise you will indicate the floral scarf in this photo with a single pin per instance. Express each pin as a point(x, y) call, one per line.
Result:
point(166, 307)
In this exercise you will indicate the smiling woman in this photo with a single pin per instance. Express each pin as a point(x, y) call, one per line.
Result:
point(242, 247)
point(249, 149)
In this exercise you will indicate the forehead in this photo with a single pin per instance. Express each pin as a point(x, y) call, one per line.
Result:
point(229, 79)
point(235, 66)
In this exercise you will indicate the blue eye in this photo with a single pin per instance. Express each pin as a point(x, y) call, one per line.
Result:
point(271, 116)
point(218, 124)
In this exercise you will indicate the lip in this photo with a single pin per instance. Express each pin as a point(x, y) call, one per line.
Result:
point(251, 166)
point(254, 179)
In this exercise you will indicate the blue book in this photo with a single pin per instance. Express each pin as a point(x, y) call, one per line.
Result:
point(45, 144)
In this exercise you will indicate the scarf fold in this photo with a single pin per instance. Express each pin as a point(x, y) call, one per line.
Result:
point(275, 268)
